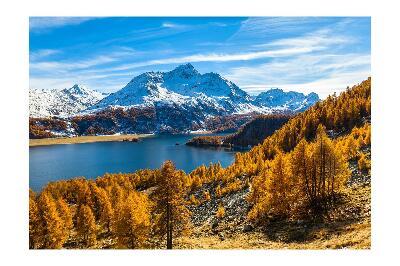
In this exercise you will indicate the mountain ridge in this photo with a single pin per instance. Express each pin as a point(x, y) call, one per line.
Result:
point(184, 86)
point(61, 102)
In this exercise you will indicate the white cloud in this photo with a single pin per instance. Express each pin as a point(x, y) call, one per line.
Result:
point(215, 57)
point(107, 82)
point(64, 66)
point(318, 40)
point(50, 83)
point(322, 37)
point(330, 84)
point(304, 73)
point(172, 25)
point(260, 27)
point(68, 65)
point(218, 24)
point(41, 23)
point(39, 54)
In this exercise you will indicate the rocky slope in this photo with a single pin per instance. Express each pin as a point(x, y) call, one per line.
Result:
point(347, 225)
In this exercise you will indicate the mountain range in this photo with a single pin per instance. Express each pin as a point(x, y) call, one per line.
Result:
point(63, 103)
point(182, 98)
point(184, 87)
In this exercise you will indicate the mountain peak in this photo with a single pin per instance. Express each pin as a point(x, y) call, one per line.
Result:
point(313, 95)
point(185, 71)
point(77, 89)
point(186, 66)
point(274, 90)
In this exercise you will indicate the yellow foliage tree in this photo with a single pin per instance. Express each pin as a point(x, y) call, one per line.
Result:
point(52, 234)
point(86, 225)
point(363, 163)
point(220, 212)
point(171, 214)
point(309, 176)
point(34, 221)
point(103, 208)
point(65, 215)
point(132, 221)
point(279, 185)
point(193, 200)
point(206, 195)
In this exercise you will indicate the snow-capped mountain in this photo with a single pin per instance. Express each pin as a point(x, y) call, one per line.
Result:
point(63, 103)
point(183, 87)
point(180, 100)
point(278, 99)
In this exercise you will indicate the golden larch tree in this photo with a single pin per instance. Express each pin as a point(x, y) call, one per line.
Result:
point(86, 225)
point(65, 215)
point(132, 220)
point(171, 214)
point(51, 226)
point(34, 221)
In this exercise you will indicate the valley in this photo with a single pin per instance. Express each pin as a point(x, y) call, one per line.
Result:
point(304, 184)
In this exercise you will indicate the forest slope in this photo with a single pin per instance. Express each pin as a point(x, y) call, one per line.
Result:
point(250, 134)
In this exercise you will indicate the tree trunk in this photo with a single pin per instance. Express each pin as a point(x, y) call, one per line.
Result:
point(169, 233)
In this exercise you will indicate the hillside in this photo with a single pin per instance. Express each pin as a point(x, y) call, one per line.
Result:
point(250, 134)
point(306, 186)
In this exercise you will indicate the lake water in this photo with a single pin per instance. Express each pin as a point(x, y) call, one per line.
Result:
point(55, 162)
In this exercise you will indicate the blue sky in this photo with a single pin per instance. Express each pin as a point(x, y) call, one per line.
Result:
point(320, 54)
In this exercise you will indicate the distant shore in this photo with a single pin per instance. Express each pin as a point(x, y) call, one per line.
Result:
point(85, 139)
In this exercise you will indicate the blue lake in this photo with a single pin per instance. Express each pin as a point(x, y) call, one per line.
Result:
point(55, 162)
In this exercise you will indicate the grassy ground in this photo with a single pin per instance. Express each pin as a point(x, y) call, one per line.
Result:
point(83, 139)
point(354, 236)
point(348, 227)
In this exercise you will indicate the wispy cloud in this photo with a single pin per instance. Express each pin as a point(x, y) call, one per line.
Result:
point(214, 57)
point(218, 24)
point(63, 66)
point(101, 83)
point(261, 27)
point(304, 73)
point(173, 25)
point(319, 40)
point(323, 38)
point(42, 23)
point(42, 53)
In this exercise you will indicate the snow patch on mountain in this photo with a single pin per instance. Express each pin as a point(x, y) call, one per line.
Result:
point(280, 100)
point(63, 103)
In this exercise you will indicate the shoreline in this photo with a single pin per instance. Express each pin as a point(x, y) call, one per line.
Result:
point(84, 139)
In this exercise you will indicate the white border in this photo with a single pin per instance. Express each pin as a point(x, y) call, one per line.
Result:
point(14, 129)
